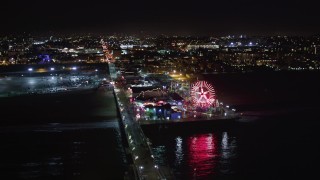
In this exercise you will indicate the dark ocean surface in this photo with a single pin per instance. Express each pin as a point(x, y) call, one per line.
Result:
point(276, 138)
point(61, 136)
point(77, 135)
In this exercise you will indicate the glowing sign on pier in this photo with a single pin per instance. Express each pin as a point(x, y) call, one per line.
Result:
point(203, 94)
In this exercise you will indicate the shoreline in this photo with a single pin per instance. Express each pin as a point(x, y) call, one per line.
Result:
point(64, 107)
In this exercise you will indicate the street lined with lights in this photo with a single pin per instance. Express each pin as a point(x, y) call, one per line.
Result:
point(138, 145)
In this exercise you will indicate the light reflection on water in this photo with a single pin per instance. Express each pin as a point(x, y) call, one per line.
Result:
point(228, 152)
point(179, 152)
point(202, 154)
point(198, 156)
point(62, 151)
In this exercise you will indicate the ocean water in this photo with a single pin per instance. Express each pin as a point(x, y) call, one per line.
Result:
point(276, 138)
point(61, 136)
point(77, 136)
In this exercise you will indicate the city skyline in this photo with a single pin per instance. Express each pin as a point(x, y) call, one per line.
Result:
point(178, 17)
point(159, 89)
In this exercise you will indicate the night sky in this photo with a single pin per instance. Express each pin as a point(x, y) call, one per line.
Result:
point(207, 17)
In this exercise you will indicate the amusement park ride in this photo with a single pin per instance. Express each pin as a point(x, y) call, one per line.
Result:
point(203, 94)
point(202, 105)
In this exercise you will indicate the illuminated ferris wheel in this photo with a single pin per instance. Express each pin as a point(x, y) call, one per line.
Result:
point(202, 94)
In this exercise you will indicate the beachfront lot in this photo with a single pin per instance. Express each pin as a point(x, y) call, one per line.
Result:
point(15, 85)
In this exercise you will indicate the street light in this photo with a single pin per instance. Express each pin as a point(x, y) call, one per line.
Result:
point(30, 70)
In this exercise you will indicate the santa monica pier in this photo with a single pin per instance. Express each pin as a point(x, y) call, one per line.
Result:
point(165, 99)
point(143, 100)
point(158, 101)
